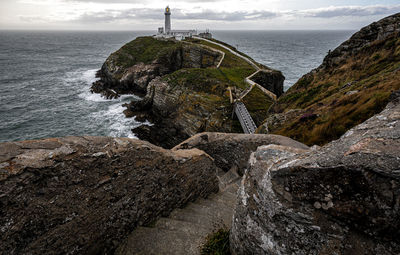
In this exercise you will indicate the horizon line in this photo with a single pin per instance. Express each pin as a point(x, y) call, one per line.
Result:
point(144, 30)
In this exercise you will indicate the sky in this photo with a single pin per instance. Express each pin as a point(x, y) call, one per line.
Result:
point(193, 14)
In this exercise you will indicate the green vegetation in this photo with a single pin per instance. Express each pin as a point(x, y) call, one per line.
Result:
point(201, 90)
point(257, 103)
point(217, 243)
point(145, 50)
point(370, 76)
point(213, 81)
point(230, 59)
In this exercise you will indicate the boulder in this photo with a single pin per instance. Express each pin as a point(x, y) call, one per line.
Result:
point(83, 195)
point(343, 198)
point(233, 150)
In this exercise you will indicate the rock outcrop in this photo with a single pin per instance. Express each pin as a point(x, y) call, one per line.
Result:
point(83, 195)
point(272, 80)
point(233, 150)
point(343, 198)
point(131, 68)
point(352, 84)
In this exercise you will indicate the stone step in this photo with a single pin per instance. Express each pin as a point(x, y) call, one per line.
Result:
point(232, 188)
point(226, 201)
point(228, 177)
point(184, 231)
point(218, 215)
point(152, 241)
point(183, 226)
point(191, 215)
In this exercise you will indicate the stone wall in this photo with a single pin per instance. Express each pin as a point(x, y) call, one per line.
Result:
point(82, 195)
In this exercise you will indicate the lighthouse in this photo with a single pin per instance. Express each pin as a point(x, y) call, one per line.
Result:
point(167, 32)
point(167, 20)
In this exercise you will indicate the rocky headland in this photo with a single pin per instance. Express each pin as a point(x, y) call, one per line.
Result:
point(185, 92)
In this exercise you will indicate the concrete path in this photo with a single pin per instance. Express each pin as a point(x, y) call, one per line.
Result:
point(186, 229)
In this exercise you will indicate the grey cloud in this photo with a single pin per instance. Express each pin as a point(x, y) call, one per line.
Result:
point(157, 14)
point(109, 16)
point(134, 1)
point(355, 11)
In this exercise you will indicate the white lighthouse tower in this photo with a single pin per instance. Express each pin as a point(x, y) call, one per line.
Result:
point(167, 20)
point(167, 32)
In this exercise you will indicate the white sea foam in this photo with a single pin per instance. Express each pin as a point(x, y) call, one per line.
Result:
point(118, 124)
point(109, 114)
point(87, 78)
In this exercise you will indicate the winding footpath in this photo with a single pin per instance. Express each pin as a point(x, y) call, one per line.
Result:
point(248, 80)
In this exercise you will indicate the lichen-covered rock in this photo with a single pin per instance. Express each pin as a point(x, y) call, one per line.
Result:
point(343, 198)
point(83, 195)
point(233, 150)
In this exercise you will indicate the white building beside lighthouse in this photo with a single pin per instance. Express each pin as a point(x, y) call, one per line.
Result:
point(167, 31)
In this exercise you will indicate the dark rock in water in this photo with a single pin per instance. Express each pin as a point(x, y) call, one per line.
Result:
point(83, 195)
point(233, 150)
point(343, 198)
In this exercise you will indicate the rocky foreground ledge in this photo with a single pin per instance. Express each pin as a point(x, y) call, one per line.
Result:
point(83, 195)
point(343, 198)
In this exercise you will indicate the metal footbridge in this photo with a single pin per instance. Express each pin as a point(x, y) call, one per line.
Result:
point(247, 123)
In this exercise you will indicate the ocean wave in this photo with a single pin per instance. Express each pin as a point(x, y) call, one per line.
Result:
point(118, 124)
point(108, 113)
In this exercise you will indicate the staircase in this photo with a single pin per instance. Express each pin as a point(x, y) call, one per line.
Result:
point(185, 230)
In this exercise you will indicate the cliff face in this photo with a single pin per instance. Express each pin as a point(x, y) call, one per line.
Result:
point(185, 92)
point(131, 68)
point(343, 198)
point(353, 83)
point(83, 195)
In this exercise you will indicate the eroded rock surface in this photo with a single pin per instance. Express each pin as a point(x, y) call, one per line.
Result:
point(131, 68)
point(233, 150)
point(343, 198)
point(83, 195)
point(272, 80)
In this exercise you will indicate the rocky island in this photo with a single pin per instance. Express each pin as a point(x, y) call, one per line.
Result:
point(186, 86)
point(272, 194)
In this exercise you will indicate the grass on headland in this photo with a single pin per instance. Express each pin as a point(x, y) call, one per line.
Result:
point(343, 96)
point(257, 103)
point(144, 50)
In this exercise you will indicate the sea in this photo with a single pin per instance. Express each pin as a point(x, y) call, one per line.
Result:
point(45, 76)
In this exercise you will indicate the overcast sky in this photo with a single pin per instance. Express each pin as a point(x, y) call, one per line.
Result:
point(186, 14)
